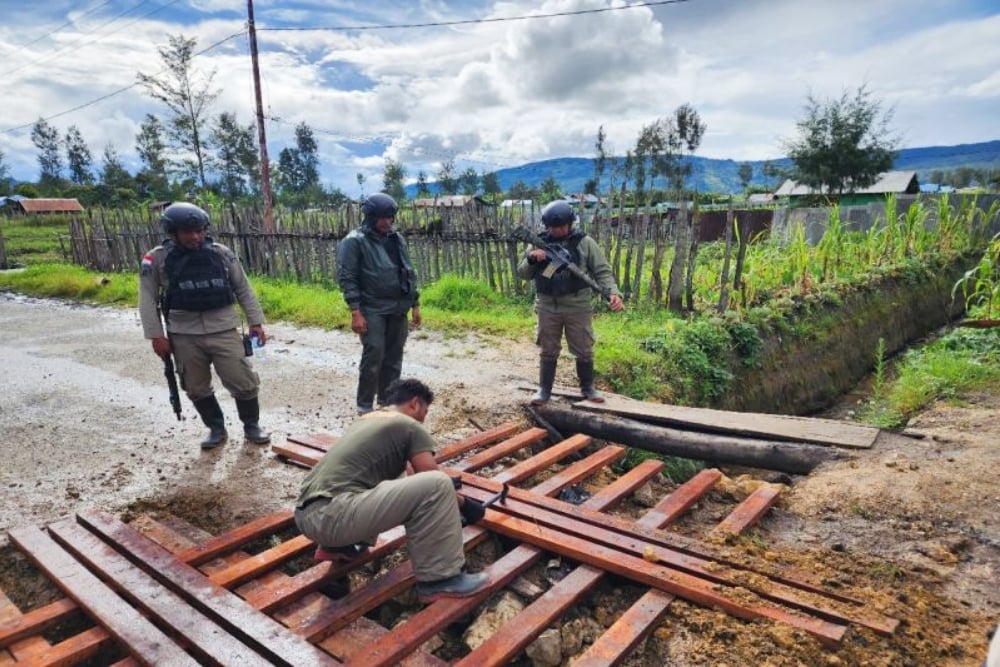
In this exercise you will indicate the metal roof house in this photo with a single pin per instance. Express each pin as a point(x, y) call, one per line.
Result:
point(890, 182)
point(37, 206)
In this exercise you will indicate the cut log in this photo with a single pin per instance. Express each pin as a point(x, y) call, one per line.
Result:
point(790, 457)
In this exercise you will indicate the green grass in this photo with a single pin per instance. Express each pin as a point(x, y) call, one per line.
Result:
point(960, 362)
point(34, 240)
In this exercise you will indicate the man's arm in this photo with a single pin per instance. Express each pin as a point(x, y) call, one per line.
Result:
point(599, 268)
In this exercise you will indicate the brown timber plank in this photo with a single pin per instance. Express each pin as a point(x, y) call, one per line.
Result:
point(612, 647)
point(499, 451)
point(35, 622)
point(543, 459)
point(142, 639)
point(237, 537)
point(657, 576)
point(645, 543)
point(74, 650)
point(225, 608)
point(750, 424)
point(16, 648)
point(182, 536)
point(307, 456)
point(748, 512)
point(627, 483)
point(680, 499)
point(575, 472)
point(487, 437)
point(201, 635)
point(320, 441)
point(416, 630)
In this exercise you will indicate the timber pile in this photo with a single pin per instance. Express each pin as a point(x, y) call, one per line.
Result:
point(159, 591)
point(776, 442)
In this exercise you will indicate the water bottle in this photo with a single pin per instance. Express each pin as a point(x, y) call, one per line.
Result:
point(258, 348)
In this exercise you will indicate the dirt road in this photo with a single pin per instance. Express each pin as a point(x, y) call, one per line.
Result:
point(85, 420)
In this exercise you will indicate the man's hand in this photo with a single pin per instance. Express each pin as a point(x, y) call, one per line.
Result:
point(537, 255)
point(162, 347)
point(359, 324)
point(615, 303)
point(415, 318)
point(257, 331)
point(472, 511)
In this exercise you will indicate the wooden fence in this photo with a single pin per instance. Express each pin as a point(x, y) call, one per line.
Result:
point(472, 242)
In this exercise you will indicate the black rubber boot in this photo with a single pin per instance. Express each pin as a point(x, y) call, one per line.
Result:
point(585, 373)
point(546, 377)
point(210, 412)
point(249, 411)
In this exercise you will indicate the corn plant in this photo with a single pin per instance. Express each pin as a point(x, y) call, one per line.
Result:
point(980, 285)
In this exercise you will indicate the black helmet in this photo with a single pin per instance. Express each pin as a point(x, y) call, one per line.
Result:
point(183, 216)
point(558, 213)
point(378, 205)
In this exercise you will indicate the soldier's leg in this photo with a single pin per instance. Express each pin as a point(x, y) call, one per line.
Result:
point(548, 337)
point(424, 503)
point(580, 338)
point(372, 352)
point(193, 358)
point(238, 376)
point(396, 331)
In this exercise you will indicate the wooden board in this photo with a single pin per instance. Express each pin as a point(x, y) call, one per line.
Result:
point(750, 424)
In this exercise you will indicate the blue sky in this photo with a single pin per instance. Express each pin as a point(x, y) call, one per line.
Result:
point(500, 93)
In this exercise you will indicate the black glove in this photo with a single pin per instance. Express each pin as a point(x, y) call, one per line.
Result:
point(472, 511)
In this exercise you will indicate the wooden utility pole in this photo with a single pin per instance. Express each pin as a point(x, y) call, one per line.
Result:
point(265, 167)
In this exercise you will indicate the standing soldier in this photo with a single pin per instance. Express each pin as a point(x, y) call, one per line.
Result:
point(563, 302)
point(195, 283)
point(379, 286)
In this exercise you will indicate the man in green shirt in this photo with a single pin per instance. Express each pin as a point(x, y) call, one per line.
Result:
point(356, 491)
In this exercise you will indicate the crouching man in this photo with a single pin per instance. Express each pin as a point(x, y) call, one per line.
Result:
point(356, 492)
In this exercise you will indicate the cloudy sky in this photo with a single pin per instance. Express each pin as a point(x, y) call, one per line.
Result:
point(493, 87)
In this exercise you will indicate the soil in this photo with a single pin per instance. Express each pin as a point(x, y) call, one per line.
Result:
point(912, 525)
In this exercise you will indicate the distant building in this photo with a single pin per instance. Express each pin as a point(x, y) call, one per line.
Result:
point(467, 202)
point(38, 206)
point(890, 182)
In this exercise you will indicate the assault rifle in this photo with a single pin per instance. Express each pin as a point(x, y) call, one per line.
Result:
point(175, 395)
point(559, 259)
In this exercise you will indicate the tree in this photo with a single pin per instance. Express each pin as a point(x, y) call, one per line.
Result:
point(520, 191)
point(46, 140)
point(843, 144)
point(188, 95)
point(600, 160)
point(298, 168)
point(746, 175)
point(361, 183)
point(771, 173)
point(113, 172)
point(78, 157)
point(491, 185)
point(550, 190)
point(423, 190)
point(150, 145)
point(469, 181)
point(393, 176)
point(4, 170)
point(236, 156)
point(446, 179)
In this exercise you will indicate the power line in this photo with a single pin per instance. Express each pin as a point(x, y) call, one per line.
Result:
point(67, 23)
point(10, 130)
point(77, 42)
point(499, 19)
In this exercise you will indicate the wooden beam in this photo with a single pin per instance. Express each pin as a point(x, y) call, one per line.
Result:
point(138, 635)
point(784, 456)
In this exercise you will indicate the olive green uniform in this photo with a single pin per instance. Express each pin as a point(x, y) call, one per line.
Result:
point(355, 492)
point(202, 339)
point(376, 276)
point(572, 313)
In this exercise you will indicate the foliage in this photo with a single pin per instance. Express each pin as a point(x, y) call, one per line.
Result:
point(393, 175)
point(46, 140)
point(298, 170)
point(980, 286)
point(447, 181)
point(78, 157)
point(151, 147)
point(458, 294)
point(843, 144)
point(72, 282)
point(236, 157)
point(188, 96)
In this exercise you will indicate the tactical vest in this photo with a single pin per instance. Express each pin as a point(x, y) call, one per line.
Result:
point(562, 282)
point(196, 279)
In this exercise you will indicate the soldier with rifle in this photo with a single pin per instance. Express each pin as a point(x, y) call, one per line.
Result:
point(568, 267)
point(195, 283)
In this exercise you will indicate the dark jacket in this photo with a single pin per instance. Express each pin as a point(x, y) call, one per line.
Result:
point(375, 273)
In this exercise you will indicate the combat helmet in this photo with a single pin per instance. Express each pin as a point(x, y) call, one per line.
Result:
point(378, 205)
point(183, 216)
point(557, 213)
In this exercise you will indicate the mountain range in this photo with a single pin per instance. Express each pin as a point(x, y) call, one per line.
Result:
point(717, 175)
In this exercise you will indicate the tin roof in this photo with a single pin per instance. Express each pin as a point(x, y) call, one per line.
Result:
point(50, 205)
point(896, 182)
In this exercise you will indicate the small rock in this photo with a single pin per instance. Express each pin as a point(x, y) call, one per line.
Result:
point(546, 650)
point(490, 621)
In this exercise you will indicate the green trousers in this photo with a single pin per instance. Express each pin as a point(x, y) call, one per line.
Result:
point(425, 503)
point(381, 356)
point(196, 354)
